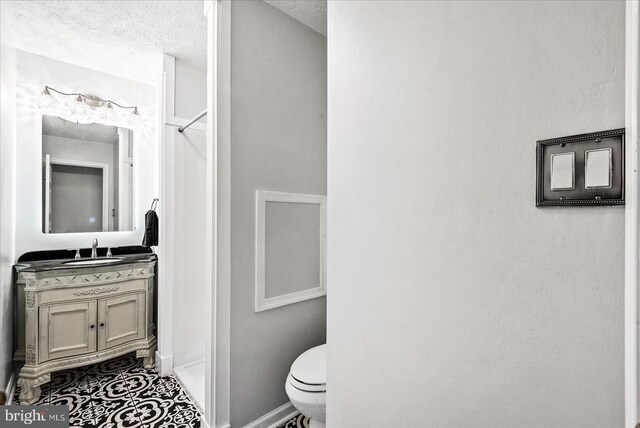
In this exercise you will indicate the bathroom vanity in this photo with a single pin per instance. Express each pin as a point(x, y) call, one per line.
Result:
point(72, 313)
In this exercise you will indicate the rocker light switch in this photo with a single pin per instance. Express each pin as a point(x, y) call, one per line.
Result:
point(598, 169)
point(563, 171)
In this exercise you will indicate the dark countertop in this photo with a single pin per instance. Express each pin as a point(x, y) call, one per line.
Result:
point(35, 256)
point(60, 264)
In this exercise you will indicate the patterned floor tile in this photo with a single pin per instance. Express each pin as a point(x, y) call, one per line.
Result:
point(103, 407)
point(108, 367)
point(153, 411)
point(120, 393)
point(179, 415)
point(78, 406)
point(121, 417)
point(298, 421)
point(174, 389)
point(67, 379)
point(131, 363)
point(107, 386)
point(141, 386)
point(140, 369)
point(80, 387)
point(113, 388)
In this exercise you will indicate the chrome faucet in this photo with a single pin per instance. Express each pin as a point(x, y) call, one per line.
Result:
point(94, 248)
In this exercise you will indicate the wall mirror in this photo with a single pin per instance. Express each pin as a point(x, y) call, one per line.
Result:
point(87, 177)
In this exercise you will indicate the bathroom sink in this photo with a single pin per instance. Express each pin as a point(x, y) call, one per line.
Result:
point(92, 262)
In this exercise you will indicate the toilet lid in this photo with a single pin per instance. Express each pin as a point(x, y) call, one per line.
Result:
point(311, 366)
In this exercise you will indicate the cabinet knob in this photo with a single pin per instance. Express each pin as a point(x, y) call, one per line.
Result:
point(92, 326)
point(101, 324)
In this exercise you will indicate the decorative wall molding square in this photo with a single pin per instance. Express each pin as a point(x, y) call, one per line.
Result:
point(262, 303)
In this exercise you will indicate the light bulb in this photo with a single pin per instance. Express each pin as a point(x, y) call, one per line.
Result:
point(47, 102)
point(108, 114)
point(79, 108)
point(133, 119)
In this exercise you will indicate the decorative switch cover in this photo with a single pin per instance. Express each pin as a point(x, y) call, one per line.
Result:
point(586, 169)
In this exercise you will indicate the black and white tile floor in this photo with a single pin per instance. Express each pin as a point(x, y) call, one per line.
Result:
point(298, 421)
point(120, 393)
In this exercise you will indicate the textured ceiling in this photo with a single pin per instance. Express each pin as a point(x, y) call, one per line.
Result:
point(57, 127)
point(125, 38)
point(121, 37)
point(312, 13)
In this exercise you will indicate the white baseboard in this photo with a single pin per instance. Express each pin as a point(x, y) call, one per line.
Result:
point(11, 388)
point(274, 417)
point(164, 365)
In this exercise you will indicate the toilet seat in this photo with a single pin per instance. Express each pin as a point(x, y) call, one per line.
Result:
point(307, 387)
point(309, 371)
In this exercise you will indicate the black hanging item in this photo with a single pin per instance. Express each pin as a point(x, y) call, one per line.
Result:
point(151, 226)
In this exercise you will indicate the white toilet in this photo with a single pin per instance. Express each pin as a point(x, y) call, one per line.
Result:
point(306, 385)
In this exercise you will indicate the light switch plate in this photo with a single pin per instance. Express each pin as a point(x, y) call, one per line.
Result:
point(585, 169)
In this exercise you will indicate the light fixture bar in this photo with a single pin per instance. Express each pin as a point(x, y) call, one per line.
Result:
point(91, 98)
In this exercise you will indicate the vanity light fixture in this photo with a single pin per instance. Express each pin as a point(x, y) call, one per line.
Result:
point(85, 108)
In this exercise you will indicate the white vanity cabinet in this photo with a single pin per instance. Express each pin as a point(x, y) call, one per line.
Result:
point(78, 316)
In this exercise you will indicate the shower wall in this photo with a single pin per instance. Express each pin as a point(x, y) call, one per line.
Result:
point(189, 158)
point(185, 179)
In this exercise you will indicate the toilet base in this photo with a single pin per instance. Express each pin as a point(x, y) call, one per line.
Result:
point(316, 424)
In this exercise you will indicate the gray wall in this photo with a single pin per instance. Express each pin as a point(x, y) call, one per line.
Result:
point(453, 300)
point(292, 248)
point(278, 142)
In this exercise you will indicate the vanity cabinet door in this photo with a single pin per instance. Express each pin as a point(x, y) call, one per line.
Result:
point(67, 329)
point(120, 320)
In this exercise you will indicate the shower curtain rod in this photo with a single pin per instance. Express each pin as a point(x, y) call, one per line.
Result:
point(182, 128)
